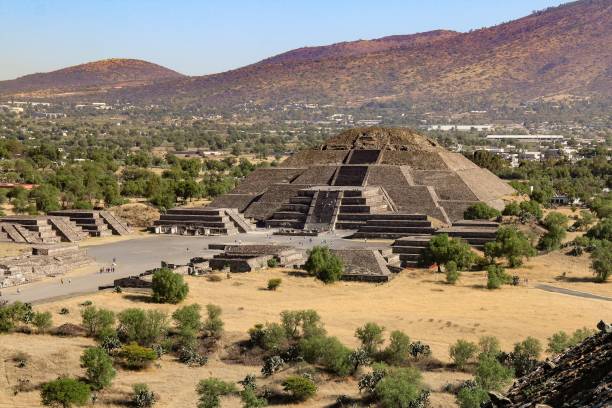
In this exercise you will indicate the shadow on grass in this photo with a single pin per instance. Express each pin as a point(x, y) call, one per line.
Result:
point(575, 279)
point(137, 297)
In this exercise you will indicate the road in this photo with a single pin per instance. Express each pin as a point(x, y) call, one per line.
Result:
point(571, 292)
point(135, 256)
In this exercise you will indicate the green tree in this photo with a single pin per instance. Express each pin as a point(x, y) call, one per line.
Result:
point(46, 198)
point(452, 274)
point(472, 397)
point(143, 327)
point(99, 366)
point(188, 318)
point(489, 346)
point(496, 277)
point(168, 287)
point(601, 261)
point(324, 265)
point(556, 224)
point(42, 321)
point(462, 352)
point(300, 388)
point(480, 211)
point(441, 250)
point(492, 375)
point(399, 388)
point(602, 230)
point(213, 324)
point(211, 389)
point(65, 392)
point(96, 321)
point(371, 337)
point(511, 244)
point(398, 350)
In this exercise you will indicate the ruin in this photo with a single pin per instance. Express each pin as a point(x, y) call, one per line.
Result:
point(245, 258)
point(39, 229)
point(201, 221)
point(95, 223)
point(380, 182)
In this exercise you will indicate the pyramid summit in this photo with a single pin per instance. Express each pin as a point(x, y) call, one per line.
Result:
point(381, 176)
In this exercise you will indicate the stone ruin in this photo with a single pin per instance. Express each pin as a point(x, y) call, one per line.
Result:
point(248, 257)
point(44, 260)
point(579, 377)
point(60, 226)
point(380, 182)
point(201, 221)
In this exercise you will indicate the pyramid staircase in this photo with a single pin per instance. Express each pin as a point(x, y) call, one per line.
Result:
point(394, 225)
point(359, 205)
point(39, 230)
point(117, 225)
point(294, 213)
point(89, 221)
point(201, 221)
point(409, 249)
point(476, 232)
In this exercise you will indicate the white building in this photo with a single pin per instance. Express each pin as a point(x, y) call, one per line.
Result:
point(526, 138)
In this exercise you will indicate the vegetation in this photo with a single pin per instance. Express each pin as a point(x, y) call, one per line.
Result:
point(480, 211)
point(97, 322)
point(462, 352)
point(300, 388)
point(371, 337)
point(13, 314)
point(511, 244)
point(65, 392)
point(601, 259)
point(99, 367)
point(496, 277)
point(274, 283)
point(399, 388)
point(441, 250)
point(452, 274)
point(213, 326)
point(136, 357)
point(491, 374)
point(210, 390)
point(42, 321)
point(556, 223)
point(168, 287)
point(143, 327)
point(561, 341)
point(142, 396)
point(323, 264)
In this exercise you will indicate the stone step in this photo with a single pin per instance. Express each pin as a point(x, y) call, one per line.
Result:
point(289, 215)
point(349, 225)
point(398, 230)
point(195, 211)
point(13, 233)
point(397, 249)
point(398, 223)
point(211, 224)
point(273, 223)
point(303, 208)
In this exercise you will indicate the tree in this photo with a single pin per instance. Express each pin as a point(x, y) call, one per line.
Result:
point(480, 211)
point(142, 396)
point(398, 350)
point(97, 322)
point(209, 391)
point(327, 351)
point(213, 324)
point(602, 230)
point(136, 357)
point(144, 327)
point(512, 209)
point(601, 260)
point(511, 244)
point(399, 388)
point(462, 352)
point(441, 250)
point(14, 313)
point(489, 346)
point(46, 198)
point(188, 318)
point(300, 388)
point(168, 287)
point(452, 274)
point(472, 396)
point(531, 208)
point(491, 375)
point(42, 321)
point(100, 371)
point(301, 323)
point(65, 392)
point(371, 337)
point(271, 336)
point(556, 224)
point(323, 264)
point(496, 276)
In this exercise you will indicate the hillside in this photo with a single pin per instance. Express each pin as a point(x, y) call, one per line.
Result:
point(559, 52)
point(96, 75)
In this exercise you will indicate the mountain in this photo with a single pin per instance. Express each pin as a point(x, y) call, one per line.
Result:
point(92, 76)
point(561, 52)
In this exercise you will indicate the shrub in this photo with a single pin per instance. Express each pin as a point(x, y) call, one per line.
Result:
point(97, 321)
point(251, 400)
point(209, 391)
point(496, 276)
point(441, 249)
point(462, 352)
point(324, 265)
point(270, 336)
point(271, 365)
point(472, 396)
point(327, 351)
point(14, 313)
point(64, 311)
point(398, 350)
point(512, 209)
point(602, 230)
point(142, 396)
point(489, 346)
point(511, 244)
point(301, 323)
point(558, 342)
point(189, 355)
point(419, 350)
point(168, 287)
point(99, 367)
point(42, 321)
point(214, 278)
point(491, 374)
point(142, 327)
point(480, 211)
point(452, 275)
point(399, 388)
point(300, 388)
point(601, 261)
point(556, 224)
point(137, 357)
point(65, 392)
point(213, 324)
point(525, 355)
point(530, 347)
point(188, 318)
point(274, 283)
point(371, 337)
point(272, 263)
point(531, 208)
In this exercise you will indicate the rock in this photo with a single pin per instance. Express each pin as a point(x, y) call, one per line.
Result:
point(604, 327)
point(499, 400)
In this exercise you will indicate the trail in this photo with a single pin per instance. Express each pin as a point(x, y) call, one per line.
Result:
point(571, 292)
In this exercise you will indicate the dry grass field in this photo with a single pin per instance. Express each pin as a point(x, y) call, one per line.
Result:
point(417, 301)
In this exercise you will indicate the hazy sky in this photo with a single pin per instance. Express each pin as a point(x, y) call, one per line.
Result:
point(205, 36)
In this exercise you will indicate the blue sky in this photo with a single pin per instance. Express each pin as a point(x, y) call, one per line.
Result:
point(202, 37)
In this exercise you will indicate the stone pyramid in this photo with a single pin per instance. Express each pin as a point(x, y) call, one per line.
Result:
point(380, 175)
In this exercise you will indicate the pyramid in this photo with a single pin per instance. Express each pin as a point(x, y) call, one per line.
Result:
point(372, 179)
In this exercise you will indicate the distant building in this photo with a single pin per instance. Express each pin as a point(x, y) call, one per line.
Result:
point(526, 138)
point(460, 128)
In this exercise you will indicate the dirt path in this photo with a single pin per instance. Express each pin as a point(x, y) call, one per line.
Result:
point(570, 292)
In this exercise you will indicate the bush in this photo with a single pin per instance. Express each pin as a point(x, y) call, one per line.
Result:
point(65, 392)
point(462, 352)
point(525, 355)
point(272, 263)
point(472, 396)
point(399, 388)
point(511, 244)
point(213, 325)
point(419, 350)
point(96, 321)
point(601, 261)
point(489, 346)
point(11, 315)
point(496, 276)
point(274, 283)
point(270, 336)
point(42, 321)
point(371, 337)
point(601, 231)
point(210, 390)
point(64, 311)
point(491, 374)
point(512, 209)
point(300, 388)
point(189, 355)
point(556, 224)
point(531, 208)
point(452, 275)
point(302, 323)
point(558, 342)
point(187, 318)
point(329, 352)
point(441, 250)
point(99, 367)
point(271, 365)
point(398, 350)
point(168, 287)
point(324, 265)
point(137, 357)
point(251, 400)
point(480, 211)
point(143, 327)
point(142, 396)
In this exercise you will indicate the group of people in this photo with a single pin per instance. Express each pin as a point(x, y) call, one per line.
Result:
point(109, 269)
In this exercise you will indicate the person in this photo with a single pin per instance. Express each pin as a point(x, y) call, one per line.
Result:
point(69, 281)
point(62, 280)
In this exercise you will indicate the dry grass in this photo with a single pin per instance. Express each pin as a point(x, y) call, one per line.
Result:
point(417, 302)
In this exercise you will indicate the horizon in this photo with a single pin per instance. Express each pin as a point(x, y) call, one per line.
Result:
point(172, 36)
